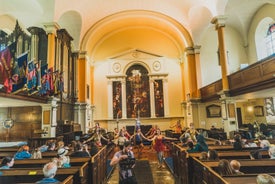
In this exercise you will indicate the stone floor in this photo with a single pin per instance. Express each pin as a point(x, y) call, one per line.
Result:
point(160, 176)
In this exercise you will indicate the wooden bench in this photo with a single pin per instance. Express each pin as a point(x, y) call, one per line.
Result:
point(245, 179)
point(206, 171)
point(31, 175)
point(245, 154)
point(95, 170)
point(249, 166)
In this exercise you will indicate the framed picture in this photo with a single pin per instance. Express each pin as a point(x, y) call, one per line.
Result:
point(213, 111)
point(258, 110)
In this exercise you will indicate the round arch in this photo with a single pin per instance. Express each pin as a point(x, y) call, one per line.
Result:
point(171, 30)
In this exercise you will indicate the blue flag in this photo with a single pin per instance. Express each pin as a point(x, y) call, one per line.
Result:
point(19, 75)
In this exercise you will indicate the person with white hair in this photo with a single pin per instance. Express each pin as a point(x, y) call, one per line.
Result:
point(265, 179)
point(264, 144)
point(49, 171)
point(271, 152)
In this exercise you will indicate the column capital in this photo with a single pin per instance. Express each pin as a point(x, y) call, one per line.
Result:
point(51, 27)
point(35, 30)
point(189, 50)
point(219, 21)
point(197, 49)
point(82, 54)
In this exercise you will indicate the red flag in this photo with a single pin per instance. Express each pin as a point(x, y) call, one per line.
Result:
point(6, 62)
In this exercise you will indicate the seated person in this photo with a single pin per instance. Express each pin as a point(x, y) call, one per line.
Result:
point(255, 155)
point(265, 179)
point(36, 154)
point(63, 159)
point(203, 156)
point(212, 155)
point(264, 144)
point(235, 164)
point(201, 144)
point(225, 168)
point(237, 145)
point(49, 171)
point(7, 162)
point(61, 144)
point(190, 147)
point(49, 146)
point(23, 153)
point(80, 150)
point(271, 152)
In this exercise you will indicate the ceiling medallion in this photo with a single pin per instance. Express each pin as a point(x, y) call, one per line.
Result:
point(116, 67)
point(156, 66)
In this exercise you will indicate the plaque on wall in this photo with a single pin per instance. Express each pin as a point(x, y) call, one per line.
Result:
point(116, 67)
point(156, 66)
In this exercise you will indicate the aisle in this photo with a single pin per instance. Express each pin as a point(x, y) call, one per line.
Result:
point(159, 176)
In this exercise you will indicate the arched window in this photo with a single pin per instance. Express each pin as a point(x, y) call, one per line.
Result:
point(270, 40)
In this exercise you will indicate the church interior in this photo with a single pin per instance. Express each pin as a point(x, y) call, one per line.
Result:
point(67, 67)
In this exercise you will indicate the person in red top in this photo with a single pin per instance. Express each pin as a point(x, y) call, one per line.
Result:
point(159, 146)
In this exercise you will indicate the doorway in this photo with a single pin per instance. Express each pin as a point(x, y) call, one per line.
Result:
point(239, 117)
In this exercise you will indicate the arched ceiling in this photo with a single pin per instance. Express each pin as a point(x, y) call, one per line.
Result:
point(103, 28)
point(143, 30)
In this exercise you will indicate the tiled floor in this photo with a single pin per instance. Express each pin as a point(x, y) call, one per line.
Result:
point(160, 176)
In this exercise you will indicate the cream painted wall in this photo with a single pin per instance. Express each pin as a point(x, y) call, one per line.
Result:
point(100, 90)
point(209, 58)
point(172, 67)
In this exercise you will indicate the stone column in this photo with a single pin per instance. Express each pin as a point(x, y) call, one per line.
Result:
point(81, 73)
point(152, 99)
point(124, 106)
point(219, 22)
point(192, 73)
point(34, 42)
point(110, 99)
point(51, 29)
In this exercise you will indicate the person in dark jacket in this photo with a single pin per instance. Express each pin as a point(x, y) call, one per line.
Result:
point(201, 144)
point(237, 145)
point(80, 150)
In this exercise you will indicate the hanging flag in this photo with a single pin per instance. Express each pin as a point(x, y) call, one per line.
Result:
point(45, 85)
point(19, 73)
point(7, 58)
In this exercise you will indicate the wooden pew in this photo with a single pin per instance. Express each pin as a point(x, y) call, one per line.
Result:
point(99, 166)
point(206, 171)
point(245, 179)
point(28, 163)
point(204, 174)
point(183, 166)
point(249, 166)
point(245, 154)
point(67, 180)
point(95, 172)
point(31, 175)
